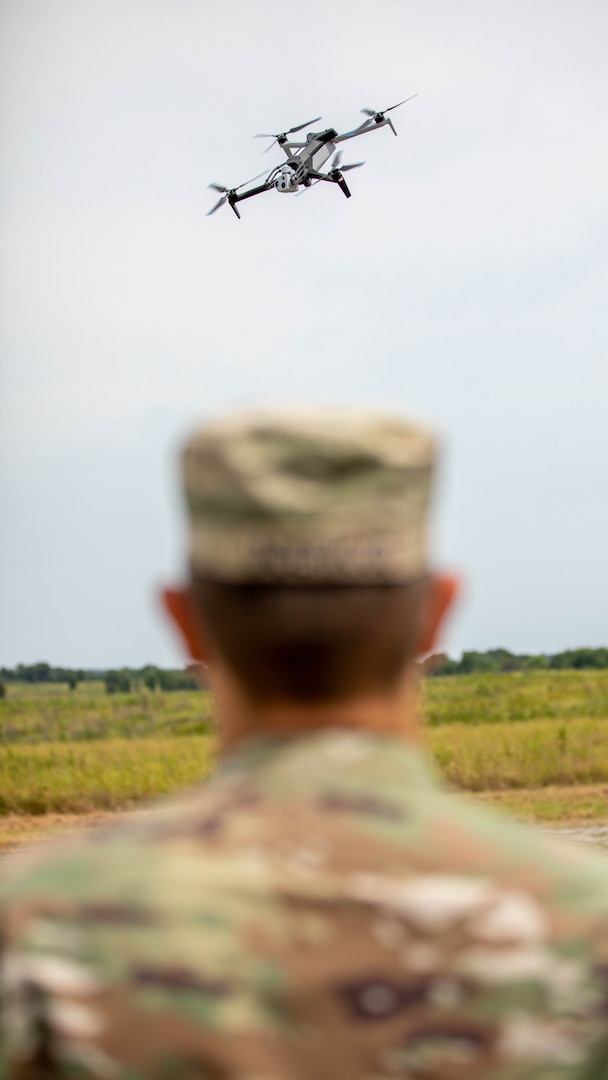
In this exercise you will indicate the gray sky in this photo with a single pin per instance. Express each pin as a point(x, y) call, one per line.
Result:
point(465, 282)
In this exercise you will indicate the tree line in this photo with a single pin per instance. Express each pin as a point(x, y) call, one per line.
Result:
point(121, 680)
point(499, 660)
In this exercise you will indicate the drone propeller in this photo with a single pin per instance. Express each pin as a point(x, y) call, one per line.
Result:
point(335, 165)
point(378, 114)
point(227, 192)
point(282, 136)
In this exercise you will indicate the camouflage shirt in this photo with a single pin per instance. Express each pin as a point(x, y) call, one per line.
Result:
point(319, 909)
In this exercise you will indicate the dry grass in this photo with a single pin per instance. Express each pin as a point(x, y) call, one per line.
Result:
point(110, 774)
point(553, 804)
point(502, 699)
point(43, 714)
point(84, 751)
point(493, 757)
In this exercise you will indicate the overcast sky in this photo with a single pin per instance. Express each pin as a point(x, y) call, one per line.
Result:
point(464, 282)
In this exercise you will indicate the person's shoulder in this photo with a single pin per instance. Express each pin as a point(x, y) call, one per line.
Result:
point(562, 878)
point(116, 855)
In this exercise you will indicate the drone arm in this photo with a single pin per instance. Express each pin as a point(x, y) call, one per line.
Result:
point(367, 126)
point(234, 198)
point(252, 191)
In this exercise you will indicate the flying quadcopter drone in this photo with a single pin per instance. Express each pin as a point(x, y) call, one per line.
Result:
point(306, 159)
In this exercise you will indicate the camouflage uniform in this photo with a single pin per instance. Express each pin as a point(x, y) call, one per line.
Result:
point(320, 908)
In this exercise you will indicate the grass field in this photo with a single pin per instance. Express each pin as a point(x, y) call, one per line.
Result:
point(505, 698)
point(537, 743)
point(55, 714)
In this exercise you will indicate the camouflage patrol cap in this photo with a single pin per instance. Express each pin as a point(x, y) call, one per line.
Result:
point(303, 497)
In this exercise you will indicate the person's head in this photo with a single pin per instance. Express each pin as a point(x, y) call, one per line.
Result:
point(309, 585)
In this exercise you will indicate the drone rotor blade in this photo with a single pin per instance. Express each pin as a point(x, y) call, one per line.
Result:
point(281, 136)
point(335, 165)
point(227, 192)
point(266, 135)
point(249, 181)
point(391, 125)
point(410, 98)
point(381, 112)
point(300, 126)
point(220, 202)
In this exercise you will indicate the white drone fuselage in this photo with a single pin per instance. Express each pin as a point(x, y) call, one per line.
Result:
point(311, 157)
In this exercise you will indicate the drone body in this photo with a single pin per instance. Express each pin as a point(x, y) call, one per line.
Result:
point(305, 160)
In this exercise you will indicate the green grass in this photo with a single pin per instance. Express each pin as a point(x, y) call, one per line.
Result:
point(83, 714)
point(80, 777)
point(45, 690)
point(110, 774)
point(499, 699)
point(495, 757)
point(50, 712)
point(85, 751)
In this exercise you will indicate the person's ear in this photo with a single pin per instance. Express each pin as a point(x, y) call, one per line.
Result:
point(179, 607)
point(442, 592)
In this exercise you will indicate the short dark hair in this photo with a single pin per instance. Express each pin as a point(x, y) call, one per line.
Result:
point(311, 643)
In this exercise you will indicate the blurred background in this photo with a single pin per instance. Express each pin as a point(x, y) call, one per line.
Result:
point(464, 282)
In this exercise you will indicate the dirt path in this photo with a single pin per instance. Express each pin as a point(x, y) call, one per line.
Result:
point(19, 833)
point(593, 834)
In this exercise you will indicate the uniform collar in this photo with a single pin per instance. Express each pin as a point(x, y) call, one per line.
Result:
point(336, 753)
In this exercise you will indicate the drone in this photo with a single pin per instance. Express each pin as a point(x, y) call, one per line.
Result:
point(305, 160)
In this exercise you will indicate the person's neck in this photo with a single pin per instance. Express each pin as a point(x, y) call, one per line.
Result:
point(240, 718)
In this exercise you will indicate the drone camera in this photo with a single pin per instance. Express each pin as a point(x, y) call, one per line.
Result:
point(285, 181)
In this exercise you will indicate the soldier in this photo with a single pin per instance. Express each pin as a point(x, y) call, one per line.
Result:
point(320, 907)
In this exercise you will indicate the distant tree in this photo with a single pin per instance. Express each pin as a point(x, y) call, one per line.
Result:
point(34, 673)
point(41, 672)
point(117, 682)
point(72, 680)
point(475, 661)
point(579, 658)
point(503, 660)
point(537, 663)
point(150, 677)
point(111, 682)
point(176, 680)
point(2, 689)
